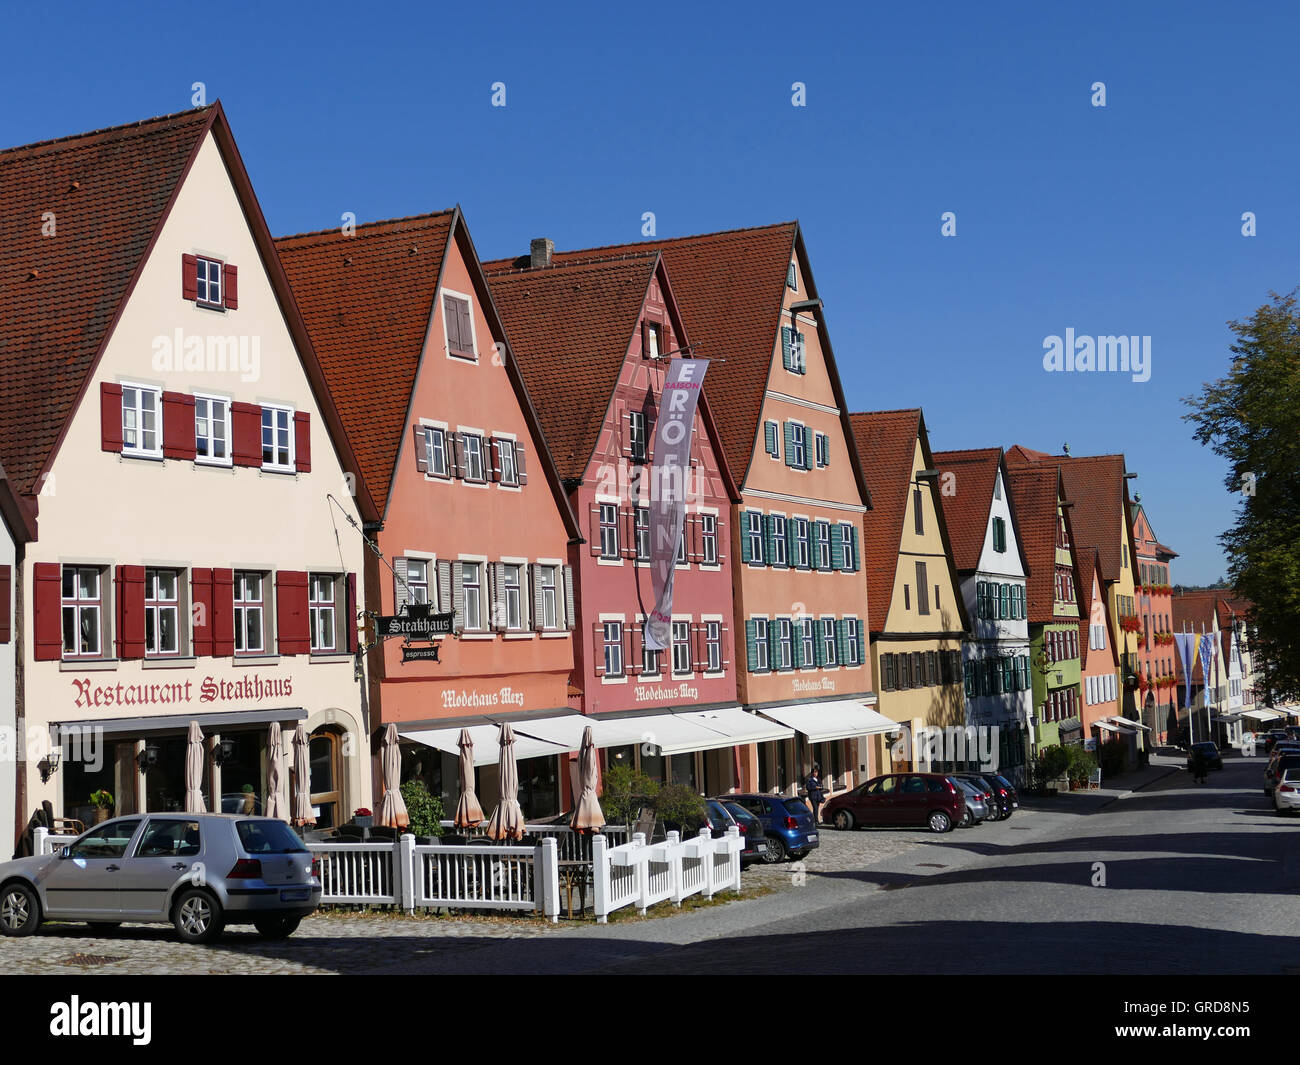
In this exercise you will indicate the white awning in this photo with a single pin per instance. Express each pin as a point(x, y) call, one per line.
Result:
point(1105, 727)
point(839, 720)
point(672, 733)
point(487, 745)
point(1261, 715)
point(1124, 722)
point(741, 726)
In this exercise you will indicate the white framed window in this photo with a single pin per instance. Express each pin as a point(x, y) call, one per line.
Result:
point(209, 282)
point(277, 438)
point(713, 645)
point(643, 534)
point(473, 457)
point(823, 560)
point(548, 579)
point(512, 580)
point(509, 468)
point(761, 645)
point(852, 642)
point(655, 346)
point(778, 539)
point(638, 438)
point(829, 657)
point(754, 532)
point(322, 591)
point(650, 662)
point(161, 613)
point(784, 643)
point(83, 610)
point(250, 613)
point(212, 430)
point(613, 647)
point(458, 325)
point(802, 547)
point(808, 639)
point(709, 538)
point(141, 420)
point(436, 438)
point(471, 583)
point(681, 640)
point(846, 538)
point(609, 530)
point(417, 580)
point(798, 448)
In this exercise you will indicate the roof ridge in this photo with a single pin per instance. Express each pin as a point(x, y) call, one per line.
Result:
point(875, 413)
point(656, 241)
point(140, 124)
point(502, 272)
point(334, 232)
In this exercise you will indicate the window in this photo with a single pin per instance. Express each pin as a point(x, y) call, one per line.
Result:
point(808, 638)
point(459, 326)
point(161, 612)
point(437, 448)
point(922, 590)
point(107, 841)
point(250, 611)
point(506, 458)
point(140, 420)
point(321, 609)
point(512, 600)
point(791, 278)
point(209, 282)
point(613, 632)
point(852, 642)
point(681, 647)
point(785, 643)
point(770, 439)
point(212, 430)
point(609, 530)
point(778, 539)
point(823, 449)
point(798, 452)
point(277, 438)
point(802, 548)
point(473, 469)
point(761, 637)
point(829, 657)
point(82, 607)
point(713, 645)
point(754, 536)
point(417, 581)
point(550, 601)
point(823, 538)
point(643, 534)
point(653, 341)
point(471, 586)
point(649, 662)
point(637, 434)
point(849, 542)
point(709, 538)
point(999, 534)
point(918, 511)
point(169, 839)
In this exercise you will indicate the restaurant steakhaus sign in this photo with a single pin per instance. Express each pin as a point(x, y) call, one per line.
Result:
point(254, 689)
point(414, 626)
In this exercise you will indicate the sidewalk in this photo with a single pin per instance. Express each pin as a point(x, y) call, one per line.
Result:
point(1163, 763)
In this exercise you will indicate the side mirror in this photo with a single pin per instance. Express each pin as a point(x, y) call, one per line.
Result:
point(65, 852)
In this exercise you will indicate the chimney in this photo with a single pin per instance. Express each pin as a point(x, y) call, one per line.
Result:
point(541, 250)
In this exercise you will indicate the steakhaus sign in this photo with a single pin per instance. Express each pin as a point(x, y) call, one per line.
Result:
point(254, 689)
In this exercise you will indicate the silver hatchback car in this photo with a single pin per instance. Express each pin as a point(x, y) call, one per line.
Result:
point(977, 810)
point(198, 872)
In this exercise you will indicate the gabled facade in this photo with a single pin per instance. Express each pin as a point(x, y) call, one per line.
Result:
point(918, 618)
point(596, 338)
point(17, 529)
point(1153, 590)
point(189, 465)
point(472, 520)
point(748, 301)
point(1098, 663)
point(1236, 702)
point(991, 566)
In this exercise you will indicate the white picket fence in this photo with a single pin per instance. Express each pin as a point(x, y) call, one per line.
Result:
point(46, 842)
point(573, 846)
point(641, 875)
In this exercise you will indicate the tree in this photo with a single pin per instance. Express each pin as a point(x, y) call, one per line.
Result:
point(1251, 418)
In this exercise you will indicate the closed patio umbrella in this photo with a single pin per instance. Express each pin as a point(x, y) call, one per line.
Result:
point(274, 756)
point(587, 814)
point(508, 818)
point(392, 807)
point(469, 813)
point(302, 814)
point(194, 771)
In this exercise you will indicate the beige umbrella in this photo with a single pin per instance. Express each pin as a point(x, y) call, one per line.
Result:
point(302, 814)
point(392, 807)
point(587, 814)
point(469, 814)
point(274, 756)
point(194, 771)
point(507, 819)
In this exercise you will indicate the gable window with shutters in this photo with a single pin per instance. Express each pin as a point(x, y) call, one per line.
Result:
point(608, 531)
point(141, 411)
point(250, 613)
point(277, 439)
point(322, 610)
point(470, 459)
point(638, 437)
point(999, 534)
point(83, 612)
point(823, 450)
point(793, 356)
point(681, 641)
point(212, 430)
point(754, 538)
point(709, 539)
point(918, 511)
point(161, 613)
point(771, 439)
point(713, 646)
point(612, 632)
point(458, 324)
point(922, 590)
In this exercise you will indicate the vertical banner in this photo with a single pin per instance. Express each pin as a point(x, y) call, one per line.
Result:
point(1207, 660)
point(1186, 644)
point(668, 484)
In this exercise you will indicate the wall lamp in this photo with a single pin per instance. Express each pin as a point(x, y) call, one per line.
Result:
point(223, 752)
point(148, 758)
point(49, 765)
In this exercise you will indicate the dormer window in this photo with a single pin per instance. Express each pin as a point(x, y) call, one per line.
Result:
point(209, 282)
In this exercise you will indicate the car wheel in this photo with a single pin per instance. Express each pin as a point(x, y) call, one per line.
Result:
point(197, 916)
point(940, 821)
point(776, 851)
point(277, 927)
point(967, 819)
point(844, 820)
point(20, 910)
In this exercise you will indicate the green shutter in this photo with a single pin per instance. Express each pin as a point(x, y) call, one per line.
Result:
point(839, 642)
point(837, 548)
point(790, 542)
point(809, 458)
point(745, 554)
point(814, 544)
point(769, 437)
point(857, 553)
point(785, 347)
point(769, 538)
point(751, 644)
point(796, 643)
point(789, 443)
point(979, 599)
point(773, 642)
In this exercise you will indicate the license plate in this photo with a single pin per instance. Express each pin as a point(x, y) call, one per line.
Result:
point(761, 848)
point(812, 837)
point(1015, 806)
point(295, 895)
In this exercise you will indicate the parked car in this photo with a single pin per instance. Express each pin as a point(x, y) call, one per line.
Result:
point(1277, 766)
point(977, 805)
point(751, 830)
point(1007, 795)
point(1213, 759)
point(1286, 796)
point(1272, 738)
point(716, 819)
point(198, 872)
point(788, 824)
point(999, 807)
point(931, 799)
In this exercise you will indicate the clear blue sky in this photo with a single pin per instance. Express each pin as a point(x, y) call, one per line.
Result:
point(1122, 220)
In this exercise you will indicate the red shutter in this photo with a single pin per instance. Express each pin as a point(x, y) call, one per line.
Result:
point(595, 529)
point(190, 277)
point(129, 593)
point(521, 471)
point(701, 647)
point(110, 417)
point(230, 285)
point(6, 604)
point(178, 426)
point(201, 607)
point(466, 327)
point(636, 656)
point(598, 648)
point(352, 613)
point(493, 458)
point(627, 530)
point(421, 448)
point(291, 619)
point(645, 339)
point(695, 545)
point(47, 626)
point(451, 319)
point(302, 441)
point(223, 612)
point(246, 428)
point(725, 635)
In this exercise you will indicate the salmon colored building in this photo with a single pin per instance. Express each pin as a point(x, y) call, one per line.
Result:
point(596, 338)
point(1157, 653)
point(1098, 663)
point(472, 519)
point(748, 302)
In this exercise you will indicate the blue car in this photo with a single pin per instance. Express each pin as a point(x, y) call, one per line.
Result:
point(787, 823)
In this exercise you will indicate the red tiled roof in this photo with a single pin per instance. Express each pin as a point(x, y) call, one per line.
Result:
point(108, 191)
point(968, 506)
point(1035, 491)
point(367, 300)
point(570, 328)
point(730, 288)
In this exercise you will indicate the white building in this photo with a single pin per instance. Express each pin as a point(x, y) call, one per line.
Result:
point(17, 527)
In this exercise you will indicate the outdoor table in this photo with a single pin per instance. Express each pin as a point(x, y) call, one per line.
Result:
point(571, 870)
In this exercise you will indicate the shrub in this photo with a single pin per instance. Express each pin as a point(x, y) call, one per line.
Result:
point(1053, 762)
point(625, 790)
point(679, 807)
point(1081, 765)
point(423, 808)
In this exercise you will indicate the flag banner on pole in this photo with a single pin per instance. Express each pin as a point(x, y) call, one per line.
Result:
point(668, 476)
point(1207, 660)
point(1186, 644)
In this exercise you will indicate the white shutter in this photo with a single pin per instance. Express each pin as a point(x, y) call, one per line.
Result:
point(458, 595)
point(399, 585)
point(570, 615)
point(500, 613)
point(535, 585)
point(444, 586)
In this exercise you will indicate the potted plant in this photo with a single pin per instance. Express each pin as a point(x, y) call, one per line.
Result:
point(363, 818)
point(102, 801)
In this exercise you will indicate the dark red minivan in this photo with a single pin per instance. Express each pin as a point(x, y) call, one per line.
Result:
point(902, 799)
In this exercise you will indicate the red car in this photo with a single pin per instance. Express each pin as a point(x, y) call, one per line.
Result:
point(899, 799)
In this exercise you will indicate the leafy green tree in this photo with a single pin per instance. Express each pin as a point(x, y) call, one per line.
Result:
point(1251, 418)
point(624, 791)
point(423, 808)
point(677, 806)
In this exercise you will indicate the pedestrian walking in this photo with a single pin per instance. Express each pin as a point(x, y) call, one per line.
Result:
point(816, 793)
point(1200, 765)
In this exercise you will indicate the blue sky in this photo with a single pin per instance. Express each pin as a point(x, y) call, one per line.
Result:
point(1117, 220)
